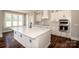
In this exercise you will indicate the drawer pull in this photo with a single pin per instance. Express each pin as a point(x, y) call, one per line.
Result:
point(30, 41)
point(20, 35)
point(15, 32)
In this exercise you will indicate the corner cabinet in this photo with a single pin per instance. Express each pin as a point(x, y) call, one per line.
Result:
point(45, 14)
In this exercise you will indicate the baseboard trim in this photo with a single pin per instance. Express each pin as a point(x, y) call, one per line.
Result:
point(47, 45)
point(74, 38)
point(0, 35)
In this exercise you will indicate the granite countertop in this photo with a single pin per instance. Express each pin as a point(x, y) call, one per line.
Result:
point(31, 32)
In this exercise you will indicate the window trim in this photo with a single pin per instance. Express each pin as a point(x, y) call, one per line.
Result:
point(12, 19)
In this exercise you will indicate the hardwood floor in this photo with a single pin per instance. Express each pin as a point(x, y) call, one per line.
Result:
point(2, 43)
point(9, 40)
point(14, 44)
point(61, 42)
point(56, 42)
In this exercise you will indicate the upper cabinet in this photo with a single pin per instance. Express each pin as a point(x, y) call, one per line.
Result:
point(64, 14)
point(38, 16)
point(54, 15)
point(45, 14)
point(61, 14)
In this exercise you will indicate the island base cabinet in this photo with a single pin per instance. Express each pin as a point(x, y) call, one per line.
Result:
point(28, 42)
point(19, 37)
point(42, 41)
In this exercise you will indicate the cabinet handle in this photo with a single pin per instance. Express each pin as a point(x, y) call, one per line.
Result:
point(30, 41)
point(20, 35)
point(15, 32)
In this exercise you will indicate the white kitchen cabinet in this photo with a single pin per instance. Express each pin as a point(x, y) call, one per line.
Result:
point(52, 16)
point(67, 14)
point(37, 40)
point(45, 14)
point(65, 34)
point(19, 37)
point(60, 14)
point(55, 17)
point(22, 39)
point(38, 17)
point(73, 17)
point(64, 14)
point(16, 35)
point(28, 41)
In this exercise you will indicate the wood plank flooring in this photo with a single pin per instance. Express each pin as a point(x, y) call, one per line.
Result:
point(56, 42)
point(61, 42)
point(9, 40)
point(2, 43)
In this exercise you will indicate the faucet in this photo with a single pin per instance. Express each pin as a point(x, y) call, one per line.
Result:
point(30, 25)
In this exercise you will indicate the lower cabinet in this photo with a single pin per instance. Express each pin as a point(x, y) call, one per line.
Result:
point(22, 39)
point(27, 41)
point(41, 41)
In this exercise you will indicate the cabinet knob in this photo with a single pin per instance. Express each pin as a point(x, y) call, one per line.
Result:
point(20, 35)
point(30, 41)
point(15, 32)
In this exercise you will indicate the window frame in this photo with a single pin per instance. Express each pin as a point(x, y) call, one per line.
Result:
point(12, 19)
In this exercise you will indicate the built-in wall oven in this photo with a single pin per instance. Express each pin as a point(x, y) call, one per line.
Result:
point(64, 25)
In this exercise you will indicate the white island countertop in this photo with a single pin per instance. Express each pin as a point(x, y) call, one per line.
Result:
point(31, 32)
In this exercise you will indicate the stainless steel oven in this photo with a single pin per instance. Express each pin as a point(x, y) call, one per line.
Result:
point(64, 25)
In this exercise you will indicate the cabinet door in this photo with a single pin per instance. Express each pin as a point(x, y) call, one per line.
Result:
point(57, 16)
point(16, 35)
point(38, 17)
point(67, 14)
point(22, 39)
point(19, 37)
point(64, 14)
point(55, 29)
point(45, 14)
point(52, 18)
point(60, 14)
point(28, 42)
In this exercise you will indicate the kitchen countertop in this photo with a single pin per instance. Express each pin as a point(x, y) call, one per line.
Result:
point(31, 32)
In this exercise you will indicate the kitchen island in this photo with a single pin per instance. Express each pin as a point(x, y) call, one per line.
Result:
point(34, 37)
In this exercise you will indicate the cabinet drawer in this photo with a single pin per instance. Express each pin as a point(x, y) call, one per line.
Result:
point(23, 39)
point(28, 41)
point(19, 37)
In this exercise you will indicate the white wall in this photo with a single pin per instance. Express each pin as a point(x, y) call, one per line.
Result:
point(75, 24)
point(1, 22)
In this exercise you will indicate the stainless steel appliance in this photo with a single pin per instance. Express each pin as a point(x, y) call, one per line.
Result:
point(63, 25)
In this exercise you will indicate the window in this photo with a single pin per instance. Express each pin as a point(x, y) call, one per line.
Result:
point(8, 20)
point(13, 19)
point(20, 20)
